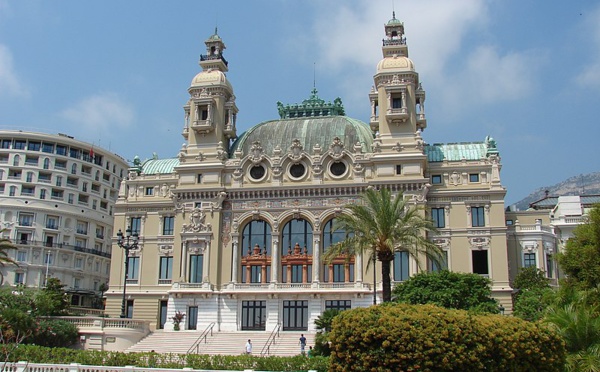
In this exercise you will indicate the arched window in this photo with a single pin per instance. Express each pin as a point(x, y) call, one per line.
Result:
point(16, 160)
point(298, 231)
point(256, 252)
point(341, 269)
point(296, 251)
point(74, 168)
point(46, 163)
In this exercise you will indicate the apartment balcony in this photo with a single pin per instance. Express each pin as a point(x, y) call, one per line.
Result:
point(51, 226)
point(274, 288)
point(69, 247)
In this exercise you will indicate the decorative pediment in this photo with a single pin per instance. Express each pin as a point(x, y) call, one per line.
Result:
point(479, 241)
point(197, 222)
point(529, 246)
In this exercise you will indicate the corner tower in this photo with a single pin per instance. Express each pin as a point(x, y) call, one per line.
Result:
point(210, 113)
point(397, 98)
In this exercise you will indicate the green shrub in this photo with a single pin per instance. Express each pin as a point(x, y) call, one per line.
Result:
point(54, 333)
point(401, 337)
point(39, 354)
point(452, 290)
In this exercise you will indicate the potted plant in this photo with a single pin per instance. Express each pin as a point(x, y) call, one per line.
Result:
point(177, 319)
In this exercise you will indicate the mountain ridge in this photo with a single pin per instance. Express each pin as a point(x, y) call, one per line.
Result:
point(583, 184)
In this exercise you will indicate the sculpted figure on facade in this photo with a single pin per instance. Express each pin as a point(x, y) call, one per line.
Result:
point(295, 150)
point(256, 153)
point(221, 153)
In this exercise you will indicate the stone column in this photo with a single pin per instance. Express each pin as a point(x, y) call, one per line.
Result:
point(236, 260)
point(316, 258)
point(358, 268)
point(275, 254)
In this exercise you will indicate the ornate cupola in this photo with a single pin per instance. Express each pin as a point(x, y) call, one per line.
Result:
point(397, 98)
point(211, 112)
point(213, 59)
point(395, 42)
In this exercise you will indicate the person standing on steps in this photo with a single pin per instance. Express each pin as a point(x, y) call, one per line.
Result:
point(302, 344)
point(249, 347)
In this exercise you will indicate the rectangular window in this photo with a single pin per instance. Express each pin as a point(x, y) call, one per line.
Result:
point(149, 191)
point(397, 103)
point(21, 256)
point(70, 198)
point(474, 177)
point(74, 153)
point(438, 217)
point(34, 146)
point(19, 145)
point(477, 216)
point(165, 271)
point(436, 179)
point(480, 262)
point(549, 266)
point(204, 115)
point(129, 313)
point(434, 267)
point(76, 283)
point(61, 150)
point(338, 305)
point(398, 169)
point(52, 222)
point(48, 148)
point(509, 222)
point(196, 264)
point(136, 225)
point(199, 178)
point(79, 263)
point(48, 258)
point(168, 225)
point(19, 278)
point(25, 219)
point(133, 271)
point(529, 260)
point(401, 266)
point(82, 227)
point(42, 194)
point(6, 144)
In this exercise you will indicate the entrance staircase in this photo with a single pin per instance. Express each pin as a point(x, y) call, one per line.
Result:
point(221, 343)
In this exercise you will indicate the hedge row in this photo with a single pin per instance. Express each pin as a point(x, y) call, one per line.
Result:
point(39, 354)
point(401, 337)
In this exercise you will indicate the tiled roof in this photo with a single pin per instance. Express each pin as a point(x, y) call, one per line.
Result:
point(159, 166)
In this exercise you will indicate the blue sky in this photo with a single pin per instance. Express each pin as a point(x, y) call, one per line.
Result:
point(116, 73)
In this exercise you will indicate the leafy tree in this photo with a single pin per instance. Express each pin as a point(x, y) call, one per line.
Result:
point(5, 246)
point(52, 299)
point(54, 333)
point(381, 225)
point(462, 291)
point(580, 259)
point(323, 325)
point(533, 293)
point(579, 326)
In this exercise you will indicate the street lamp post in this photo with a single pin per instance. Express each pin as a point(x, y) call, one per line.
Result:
point(129, 242)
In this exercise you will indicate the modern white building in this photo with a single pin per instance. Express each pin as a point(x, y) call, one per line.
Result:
point(232, 229)
point(57, 198)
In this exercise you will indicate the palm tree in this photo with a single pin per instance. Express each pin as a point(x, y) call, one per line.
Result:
point(5, 246)
point(380, 226)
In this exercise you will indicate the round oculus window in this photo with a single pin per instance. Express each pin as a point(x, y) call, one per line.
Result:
point(297, 170)
point(257, 172)
point(338, 168)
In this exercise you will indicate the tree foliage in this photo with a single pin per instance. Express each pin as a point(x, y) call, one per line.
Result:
point(5, 246)
point(533, 294)
point(380, 225)
point(323, 325)
point(402, 337)
point(580, 259)
point(22, 312)
point(463, 291)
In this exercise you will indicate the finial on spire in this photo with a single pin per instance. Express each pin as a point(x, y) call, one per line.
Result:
point(216, 30)
point(314, 74)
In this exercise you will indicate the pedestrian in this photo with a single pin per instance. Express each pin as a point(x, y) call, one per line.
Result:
point(310, 352)
point(302, 344)
point(249, 347)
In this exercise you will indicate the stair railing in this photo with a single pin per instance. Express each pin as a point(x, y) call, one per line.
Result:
point(271, 341)
point(202, 337)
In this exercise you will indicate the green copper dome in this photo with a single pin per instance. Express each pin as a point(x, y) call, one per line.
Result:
point(309, 131)
point(312, 122)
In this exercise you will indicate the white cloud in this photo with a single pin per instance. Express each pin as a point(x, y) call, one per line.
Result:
point(100, 113)
point(9, 82)
point(446, 40)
